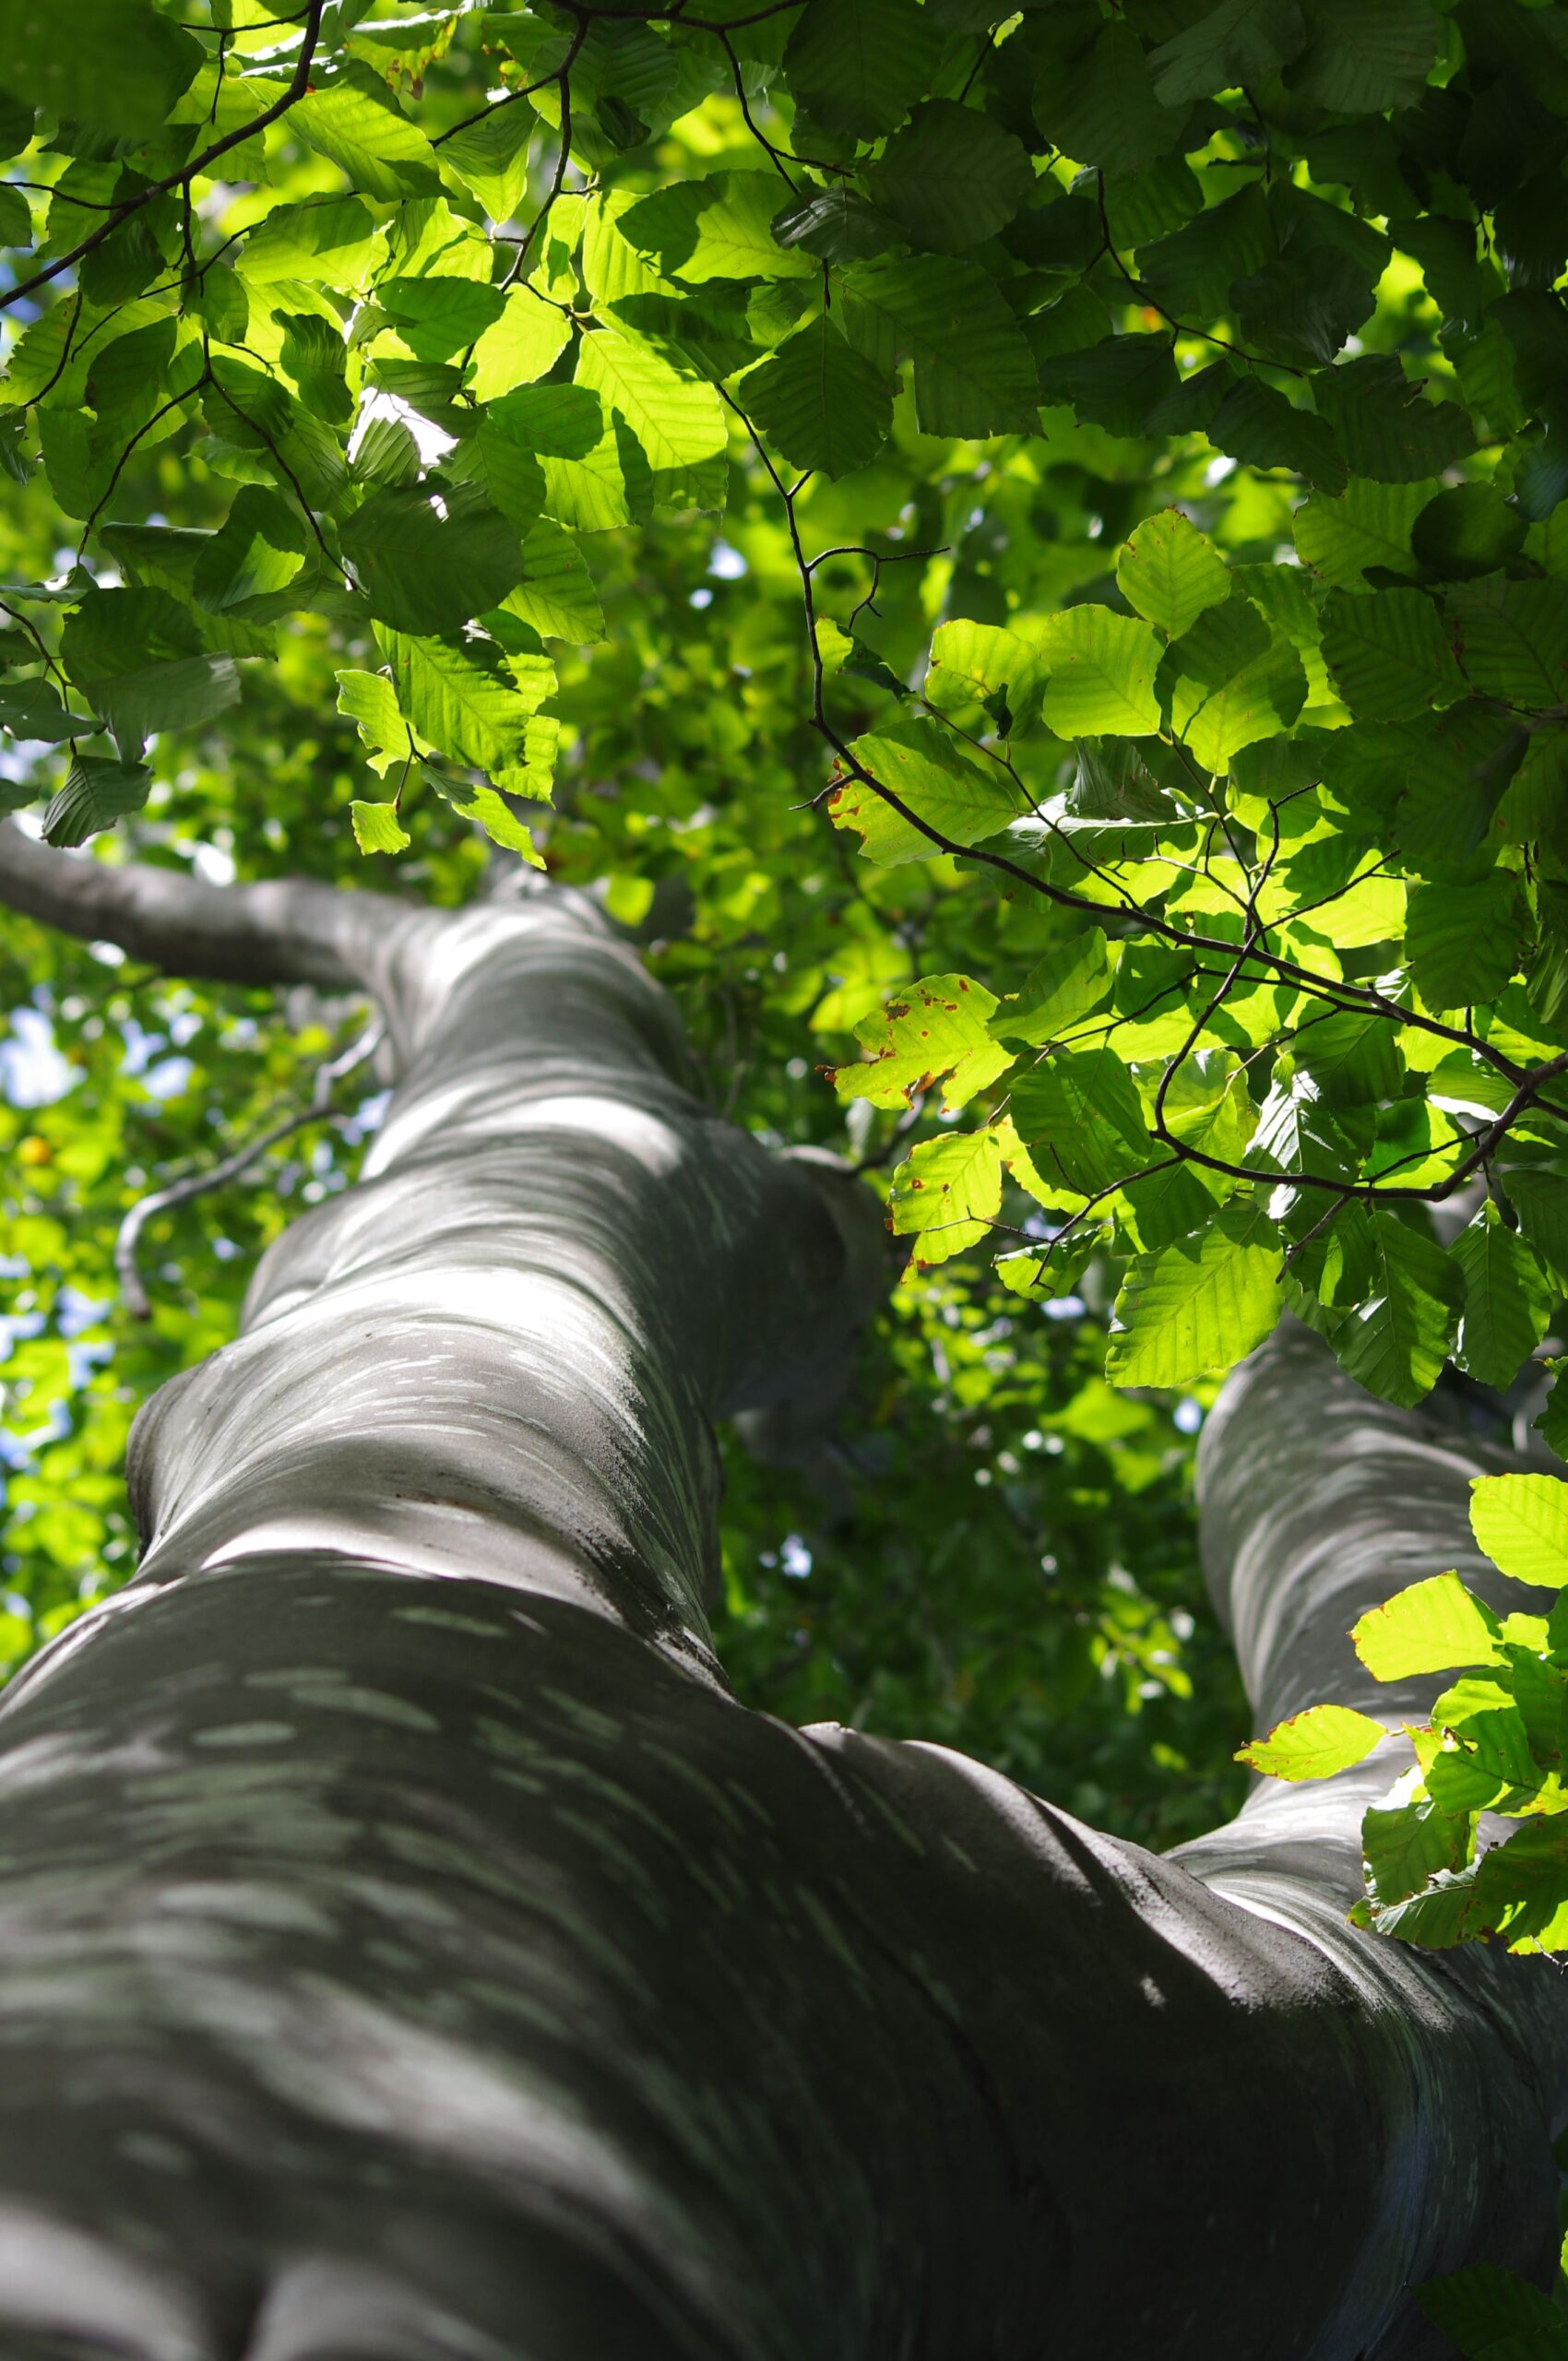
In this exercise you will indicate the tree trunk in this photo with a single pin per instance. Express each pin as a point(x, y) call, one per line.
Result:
point(409, 1948)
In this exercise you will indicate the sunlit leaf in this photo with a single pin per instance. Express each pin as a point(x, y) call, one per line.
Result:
point(1521, 1522)
point(1433, 1625)
point(1316, 1744)
point(1198, 1304)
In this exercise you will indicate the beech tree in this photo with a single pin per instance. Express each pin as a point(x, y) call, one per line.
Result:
point(413, 1948)
point(1018, 556)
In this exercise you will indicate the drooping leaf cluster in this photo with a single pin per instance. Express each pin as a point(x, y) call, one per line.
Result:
point(1493, 1743)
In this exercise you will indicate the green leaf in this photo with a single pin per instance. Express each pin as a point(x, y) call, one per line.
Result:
point(354, 121)
point(1113, 782)
point(1303, 305)
point(947, 1193)
point(1513, 639)
point(118, 63)
point(129, 375)
point(858, 63)
point(1432, 1626)
point(1521, 1524)
point(986, 665)
point(222, 303)
point(1116, 384)
point(677, 418)
point(254, 556)
point(1486, 2310)
point(951, 178)
point(1383, 424)
point(1167, 1207)
point(32, 709)
point(1396, 1343)
point(1230, 682)
point(1192, 271)
point(1459, 763)
point(1541, 1692)
point(1170, 572)
point(1522, 1889)
point(1361, 60)
point(325, 239)
point(426, 572)
point(535, 775)
point(377, 828)
point(1466, 531)
point(1316, 1744)
point(1065, 985)
point(1406, 1846)
point(1495, 1740)
point(314, 357)
point(1509, 1300)
point(1388, 654)
point(115, 632)
point(556, 594)
point(1080, 1118)
point(1099, 671)
point(1540, 1200)
point(1460, 282)
point(841, 651)
point(1258, 426)
point(526, 340)
point(1546, 977)
point(1100, 108)
point(16, 221)
point(1366, 525)
point(1238, 42)
point(820, 404)
point(485, 807)
point(551, 446)
point(1464, 942)
point(491, 157)
point(371, 701)
point(934, 1027)
point(1141, 206)
point(721, 227)
point(837, 224)
point(916, 762)
point(1442, 1914)
point(1040, 1273)
point(974, 374)
point(455, 703)
point(1198, 1305)
point(96, 794)
point(176, 695)
point(438, 316)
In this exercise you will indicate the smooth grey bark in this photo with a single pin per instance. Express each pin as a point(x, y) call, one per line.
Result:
point(410, 1949)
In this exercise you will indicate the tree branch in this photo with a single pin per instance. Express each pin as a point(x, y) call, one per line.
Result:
point(287, 930)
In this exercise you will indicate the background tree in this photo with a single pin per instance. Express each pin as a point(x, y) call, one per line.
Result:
point(1124, 443)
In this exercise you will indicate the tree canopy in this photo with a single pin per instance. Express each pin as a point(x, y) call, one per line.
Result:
point(1021, 551)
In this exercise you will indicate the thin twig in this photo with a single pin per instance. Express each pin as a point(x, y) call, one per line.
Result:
point(1181, 327)
point(187, 173)
point(199, 1184)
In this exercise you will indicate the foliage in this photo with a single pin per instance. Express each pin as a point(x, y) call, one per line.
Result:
point(1493, 1745)
point(410, 314)
point(1486, 2310)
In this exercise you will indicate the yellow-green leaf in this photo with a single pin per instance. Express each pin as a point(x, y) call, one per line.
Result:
point(1316, 1744)
point(378, 828)
point(1521, 1522)
point(1433, 1625)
